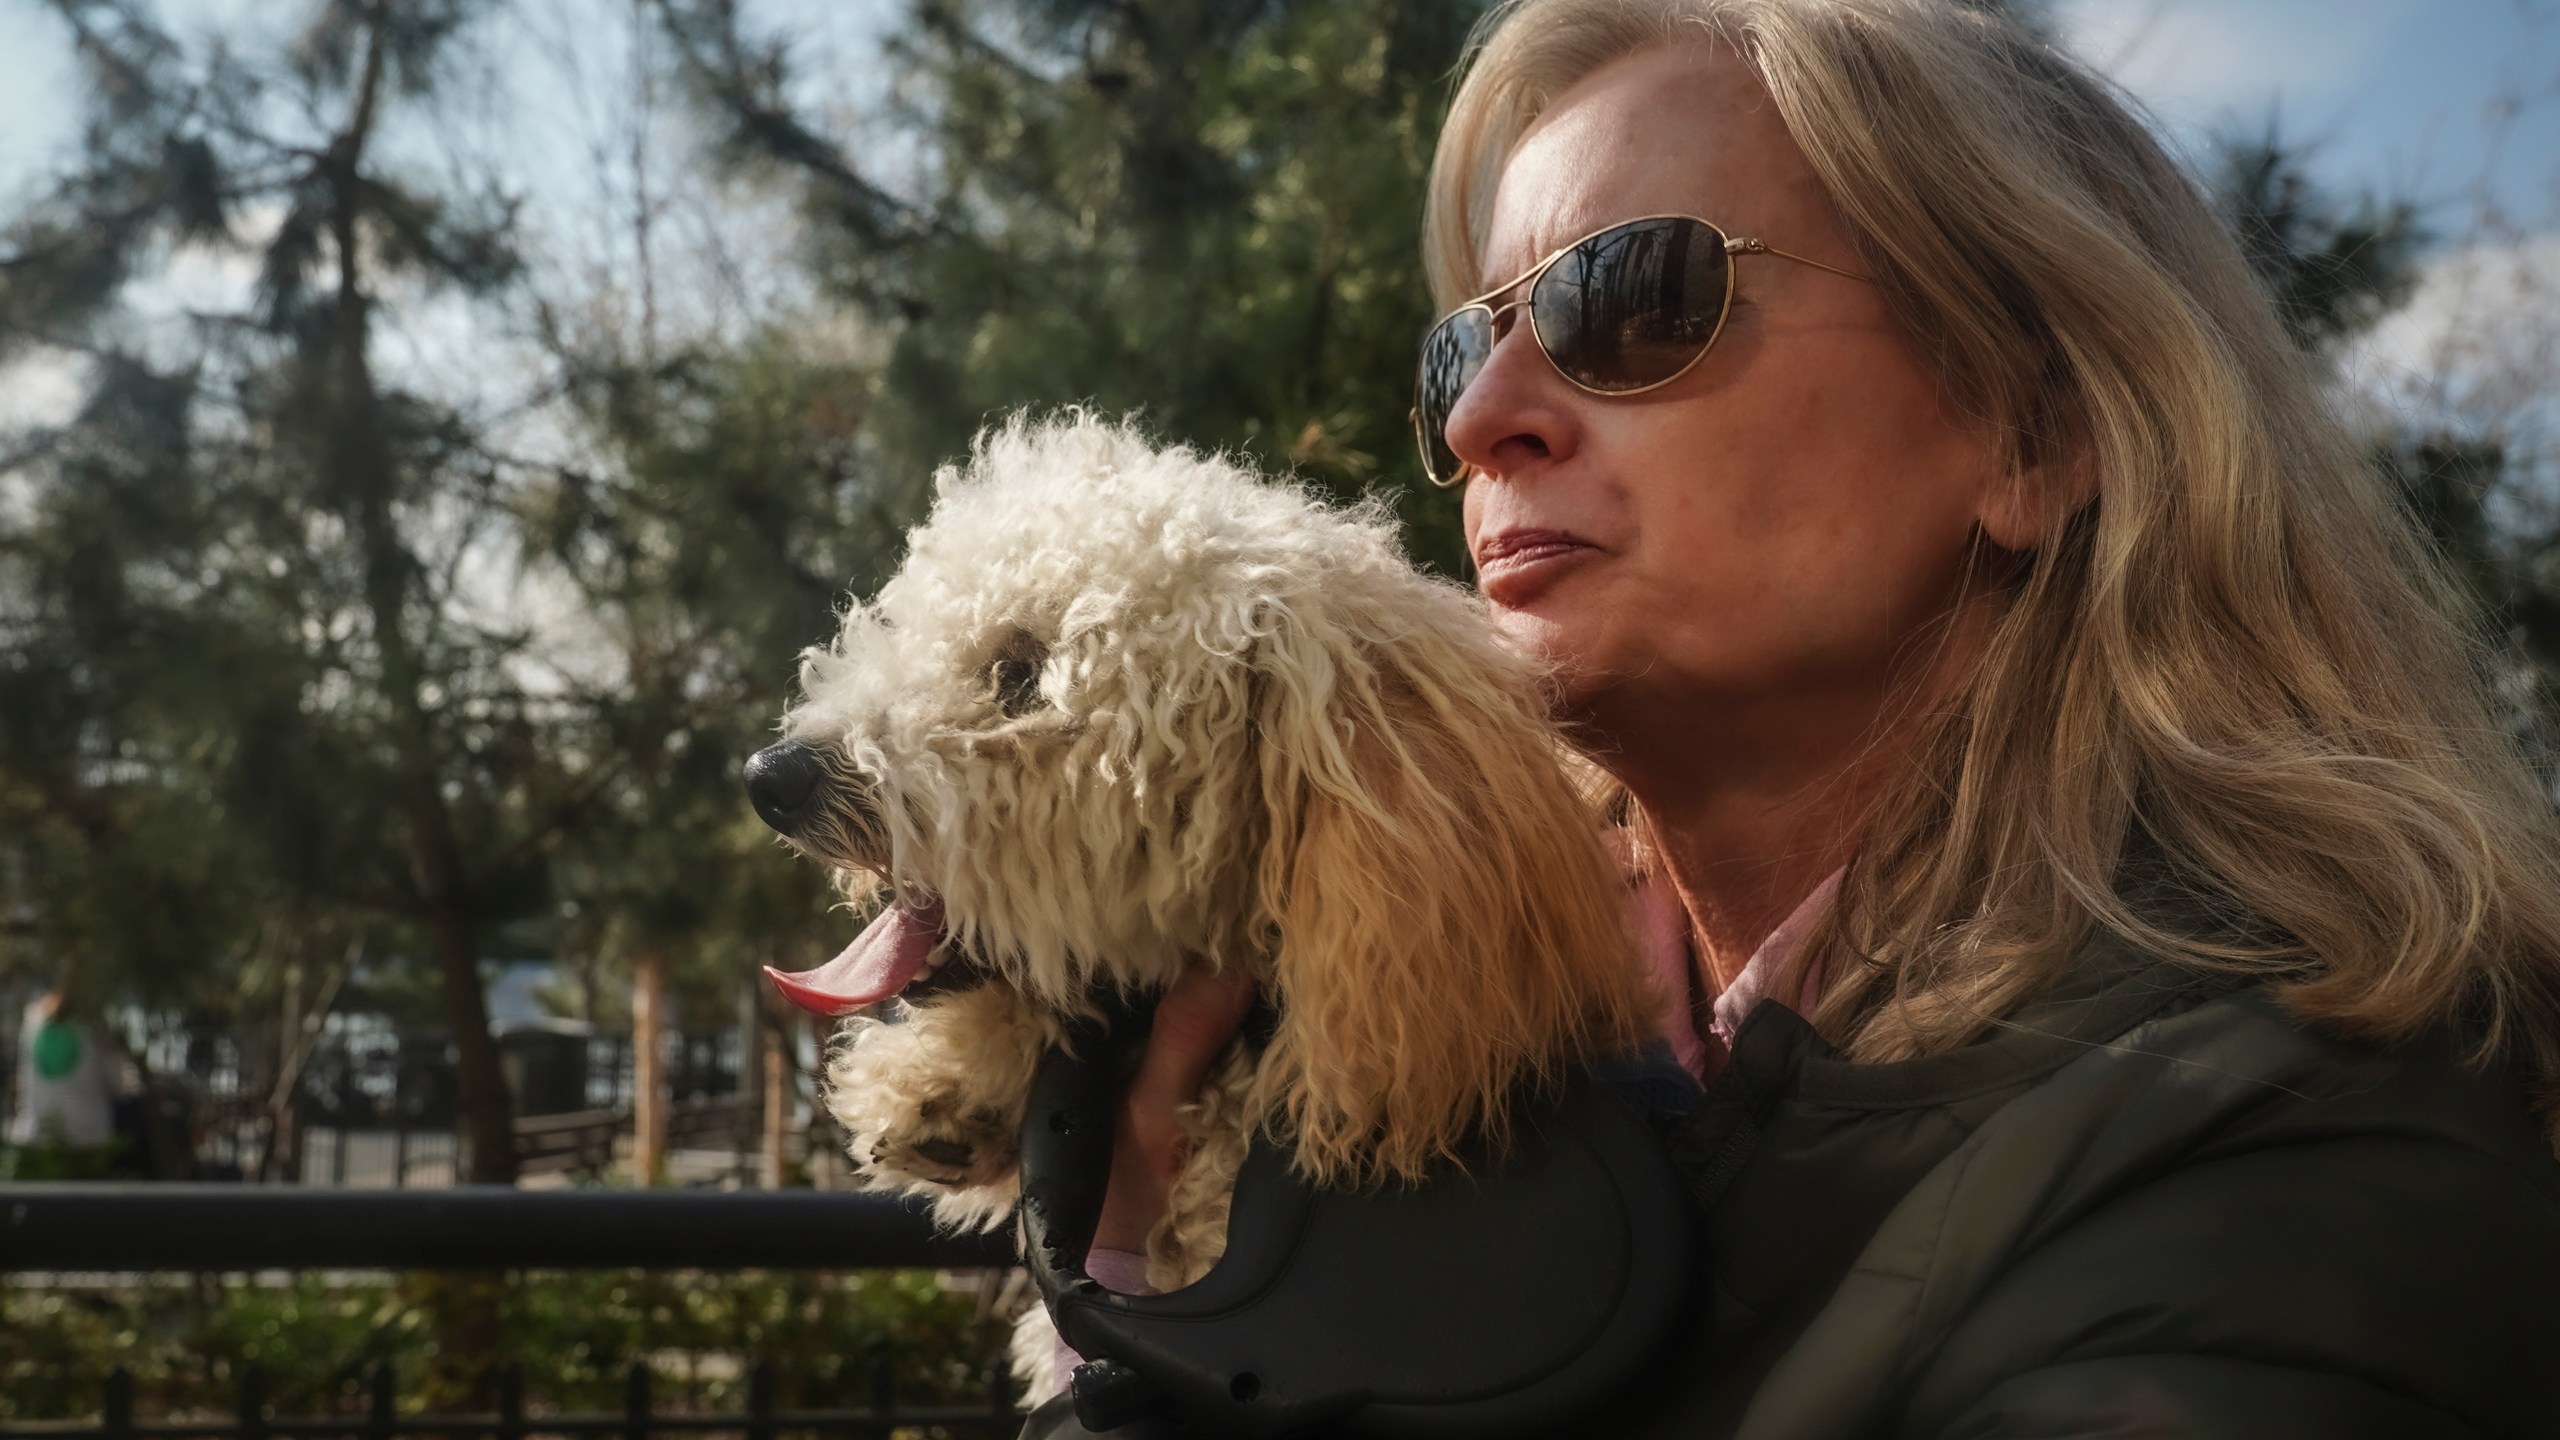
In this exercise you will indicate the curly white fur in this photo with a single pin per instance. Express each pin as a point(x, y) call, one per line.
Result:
point(1124, 706)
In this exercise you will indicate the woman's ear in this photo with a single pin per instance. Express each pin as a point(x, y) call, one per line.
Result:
point(2032, 492)
point(2012, 513)
point(1449, 928)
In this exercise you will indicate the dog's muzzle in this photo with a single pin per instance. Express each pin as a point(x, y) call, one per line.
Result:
point(785, 783)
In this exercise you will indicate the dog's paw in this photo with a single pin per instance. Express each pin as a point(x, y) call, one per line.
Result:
point(949, 1140)
point(933, 1103)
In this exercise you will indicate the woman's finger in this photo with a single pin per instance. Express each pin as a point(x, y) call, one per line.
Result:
point(1200, 1012)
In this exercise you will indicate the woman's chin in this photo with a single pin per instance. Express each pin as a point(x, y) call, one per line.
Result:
point(1568, 644)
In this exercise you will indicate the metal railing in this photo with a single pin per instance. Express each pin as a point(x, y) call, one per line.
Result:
point(201, 1228)
point(137, 1228)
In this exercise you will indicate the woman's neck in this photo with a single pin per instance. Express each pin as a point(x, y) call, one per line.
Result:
point(1751, 805)
point(1742, 857)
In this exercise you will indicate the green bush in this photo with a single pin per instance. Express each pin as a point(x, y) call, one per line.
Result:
point(45, 1160)
point(572, 1334)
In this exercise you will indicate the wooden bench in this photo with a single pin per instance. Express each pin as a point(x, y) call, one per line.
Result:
point(578, 1142)
point(581, 1142)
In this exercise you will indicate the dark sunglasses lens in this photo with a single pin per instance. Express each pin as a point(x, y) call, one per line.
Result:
point(1635, 305)
point(1451, 355)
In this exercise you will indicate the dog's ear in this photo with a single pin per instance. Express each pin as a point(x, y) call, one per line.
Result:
point(1449, 927)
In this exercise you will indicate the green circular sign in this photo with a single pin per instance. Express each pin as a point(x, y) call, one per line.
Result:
point(57, 1050)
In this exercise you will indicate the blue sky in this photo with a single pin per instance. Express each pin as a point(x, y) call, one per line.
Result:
point(2401, 92)
point(2409, 96)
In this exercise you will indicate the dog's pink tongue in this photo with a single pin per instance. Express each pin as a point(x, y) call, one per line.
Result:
point(878, 964)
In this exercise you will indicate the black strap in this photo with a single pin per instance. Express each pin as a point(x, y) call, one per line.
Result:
point(1504, 1297)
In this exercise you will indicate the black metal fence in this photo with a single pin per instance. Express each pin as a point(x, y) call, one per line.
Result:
point(207, 1228)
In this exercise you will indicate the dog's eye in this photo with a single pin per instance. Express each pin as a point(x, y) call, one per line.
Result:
point(1017, 686)
point(1015, 675)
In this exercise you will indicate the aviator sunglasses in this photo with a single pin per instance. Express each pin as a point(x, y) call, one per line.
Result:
point(1622, 310)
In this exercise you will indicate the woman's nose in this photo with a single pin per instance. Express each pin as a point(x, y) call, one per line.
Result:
point(1517, 413)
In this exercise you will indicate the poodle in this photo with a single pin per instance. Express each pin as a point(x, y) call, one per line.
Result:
point(1125, 708)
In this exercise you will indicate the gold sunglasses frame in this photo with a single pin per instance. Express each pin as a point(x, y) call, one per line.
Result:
point(1734, 247)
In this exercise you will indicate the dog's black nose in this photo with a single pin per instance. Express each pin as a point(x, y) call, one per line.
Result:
point(782, 782)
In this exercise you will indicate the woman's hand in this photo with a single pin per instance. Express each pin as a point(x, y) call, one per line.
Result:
point(1200, 1012)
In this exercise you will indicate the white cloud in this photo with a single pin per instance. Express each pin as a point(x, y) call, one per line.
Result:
point(2477, 346)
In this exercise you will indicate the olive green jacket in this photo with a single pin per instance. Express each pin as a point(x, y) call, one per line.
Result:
point(2153, 1205)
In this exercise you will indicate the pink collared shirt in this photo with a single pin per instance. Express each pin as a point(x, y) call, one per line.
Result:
point(1662, 933)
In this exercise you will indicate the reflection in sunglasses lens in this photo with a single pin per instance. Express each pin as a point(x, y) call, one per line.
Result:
point(1451, 355)
point(1631, 307)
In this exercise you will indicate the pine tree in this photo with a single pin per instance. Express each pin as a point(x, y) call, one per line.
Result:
point(1205, 211)
point(245, 674)
point(729, 519)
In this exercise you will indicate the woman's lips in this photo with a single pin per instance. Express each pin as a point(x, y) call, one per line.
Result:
point(1514, 566)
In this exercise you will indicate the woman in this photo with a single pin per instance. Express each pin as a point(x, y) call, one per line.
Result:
point(1990, 618)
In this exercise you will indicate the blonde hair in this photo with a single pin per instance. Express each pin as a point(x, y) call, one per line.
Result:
point(2236, 659)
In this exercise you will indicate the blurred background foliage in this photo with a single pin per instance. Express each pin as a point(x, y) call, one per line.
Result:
point(833, 1341)
point(311, 658)
point(407, 582)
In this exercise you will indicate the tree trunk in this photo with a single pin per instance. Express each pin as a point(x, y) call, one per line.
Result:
point(362, 473)
point(282, 1161)
point(648, 1069)
point(777, 1101)
point(480, 1084)
point(827, 1167)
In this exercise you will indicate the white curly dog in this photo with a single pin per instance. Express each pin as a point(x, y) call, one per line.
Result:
point(1126, 707)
